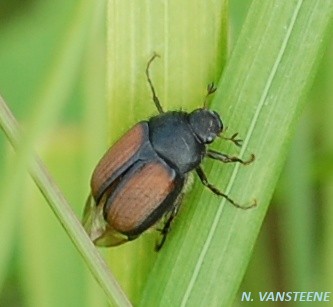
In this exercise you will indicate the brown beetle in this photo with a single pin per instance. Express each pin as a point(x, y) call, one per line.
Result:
point(140, 178)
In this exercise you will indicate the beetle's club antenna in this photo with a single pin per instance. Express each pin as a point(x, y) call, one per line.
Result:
point(211, 89)
point(155, 98)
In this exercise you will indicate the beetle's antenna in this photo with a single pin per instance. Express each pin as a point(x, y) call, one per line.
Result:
point(233, 138)
point(211, 89)
point(155, 98)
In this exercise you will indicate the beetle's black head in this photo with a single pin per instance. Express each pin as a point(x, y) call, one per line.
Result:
point(206, 124)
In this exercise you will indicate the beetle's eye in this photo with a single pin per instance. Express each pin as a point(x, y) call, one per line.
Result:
point(210, 139)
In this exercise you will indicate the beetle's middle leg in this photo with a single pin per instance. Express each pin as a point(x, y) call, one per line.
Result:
point(216, 191)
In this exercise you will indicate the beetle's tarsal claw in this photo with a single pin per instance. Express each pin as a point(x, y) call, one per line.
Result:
point(155, 55)
point(250, 160)
point(245, 207)
point(150, 82)
point(159, 244)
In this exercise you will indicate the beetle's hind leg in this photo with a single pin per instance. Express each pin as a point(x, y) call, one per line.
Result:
point(216, 191)
point(164, 231)
point(167, 224)
point(155, 98)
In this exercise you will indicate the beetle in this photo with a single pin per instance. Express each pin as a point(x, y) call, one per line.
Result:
point(140, 179)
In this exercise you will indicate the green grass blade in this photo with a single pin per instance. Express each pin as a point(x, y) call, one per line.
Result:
point(63, 211)
point(324, 164)
point(261, 94)
point(53, 92)
point(298, 213)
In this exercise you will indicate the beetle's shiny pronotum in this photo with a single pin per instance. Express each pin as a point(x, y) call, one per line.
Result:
point(140, 178)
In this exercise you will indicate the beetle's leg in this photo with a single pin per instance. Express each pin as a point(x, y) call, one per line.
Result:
point(155, 98)
point(167, 225)
point(164, 232)
point(233, 138)
point(211, 89)
point(216, 191)
point(227, 159)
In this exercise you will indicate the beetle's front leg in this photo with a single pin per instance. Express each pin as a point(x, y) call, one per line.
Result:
point(227, 159)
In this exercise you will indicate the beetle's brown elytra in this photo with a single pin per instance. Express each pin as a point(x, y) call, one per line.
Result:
point(140, 196)
point(141, 177)
point(116, 157)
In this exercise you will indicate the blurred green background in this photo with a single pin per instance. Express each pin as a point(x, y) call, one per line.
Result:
point(52, 76)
